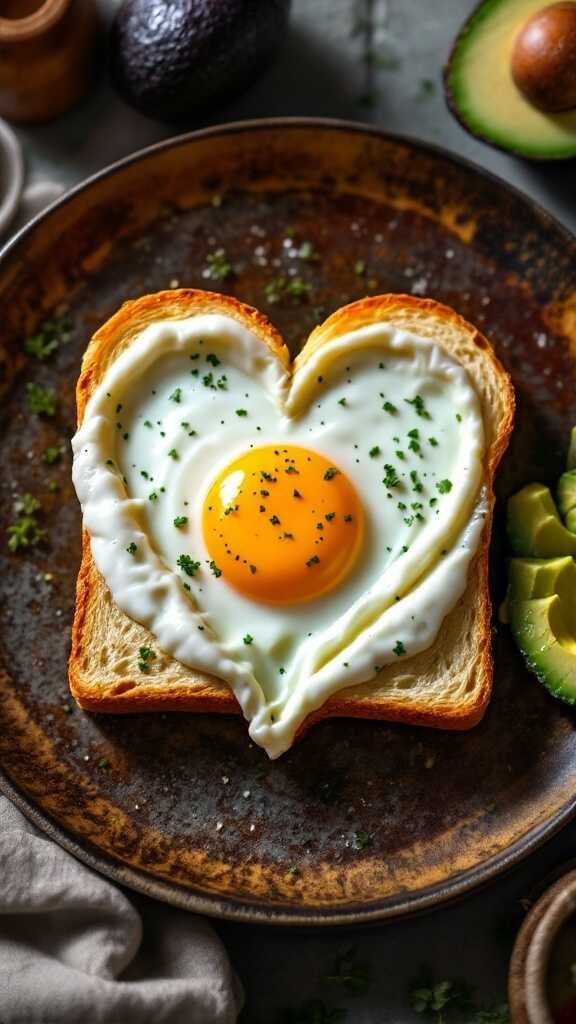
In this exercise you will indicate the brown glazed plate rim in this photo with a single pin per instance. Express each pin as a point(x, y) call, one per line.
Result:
point(230, 908)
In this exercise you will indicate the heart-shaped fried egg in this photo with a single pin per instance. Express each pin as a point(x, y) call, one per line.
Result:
point(288, 533)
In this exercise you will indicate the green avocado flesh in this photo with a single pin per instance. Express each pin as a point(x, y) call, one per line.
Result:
point(566, 498)
point(542, 630)
point(534, 526)
point(481, 91)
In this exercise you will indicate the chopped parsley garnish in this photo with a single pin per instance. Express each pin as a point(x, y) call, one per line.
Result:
point(218, 266)
point(362, 840)
point(444, 486)
point(415, 434)
point(329, 516)
point(153, 496)
point(132, 548)
point(173, 454)
point(25, 532)
point(287, 287)
point(391, 479)
point(241, 412)
point(331, 473)
point(389, 407)
point(419, 407)
point(458, 417)
point(342, 401)
point(248, 639)
point(348, 518)
point(51, 455)
point(187, 564)
point(41, 401)
point(433, 442)
point(432, 502)
point(180, 521)
point(148, 424)
point(40, 347)
point(399, 648)
point(146, 655)
point(176, 396)
point(222, 383)
point(375, 451)
point(417, 485)
point(314, 560)
point(144, 473)
point(400, 455)
point(274, 520)
point(212, 359)
point(214, 569)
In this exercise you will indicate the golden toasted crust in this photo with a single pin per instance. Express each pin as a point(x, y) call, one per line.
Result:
point(173, 687)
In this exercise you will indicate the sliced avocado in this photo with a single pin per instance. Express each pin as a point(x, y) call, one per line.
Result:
point(532, 578)
point(534, 526)
point(566, 498)
point(481, 91)
point(542, 631)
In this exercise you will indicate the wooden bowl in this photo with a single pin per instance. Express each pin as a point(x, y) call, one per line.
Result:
point(532, 953)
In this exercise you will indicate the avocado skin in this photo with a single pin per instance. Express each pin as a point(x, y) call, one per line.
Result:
point(171, 59)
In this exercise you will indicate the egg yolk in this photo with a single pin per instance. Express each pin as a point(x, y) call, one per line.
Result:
point(283, 524)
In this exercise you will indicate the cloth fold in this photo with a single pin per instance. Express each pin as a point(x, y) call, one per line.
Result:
point(74, 948)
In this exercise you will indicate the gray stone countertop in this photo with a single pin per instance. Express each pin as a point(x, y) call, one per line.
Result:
point(321, 72)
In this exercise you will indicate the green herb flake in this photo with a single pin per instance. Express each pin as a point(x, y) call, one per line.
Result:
point(40, 346)
point(342, 401)
point(187, 564)
point(389, 407)
point(212, 359)
point(241, 412)
point(153, 496)
point(329, 516)
point(444, 486)
point(362, 840)
point(148, 424)
point(218, 267)
point(25, 531)
point(391, 478)
point(214, 569)
point(433, 442)
point(314, 560)
point(180, 521)
point(248, 639)
point(146, 655)
point(173, 454)
point(41, 401)
point(417, 484)
point(51, 456)
point(399, 649)
point(419, 407)
point(132, 548)
point(375, 451)
point(331, 473)
point(176, 396)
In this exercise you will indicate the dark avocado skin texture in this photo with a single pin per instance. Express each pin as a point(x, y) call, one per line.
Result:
point(172, 58)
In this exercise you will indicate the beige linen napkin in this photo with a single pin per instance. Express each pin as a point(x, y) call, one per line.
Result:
point(74, 949)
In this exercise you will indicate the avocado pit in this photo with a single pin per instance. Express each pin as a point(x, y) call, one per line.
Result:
point(543, 62)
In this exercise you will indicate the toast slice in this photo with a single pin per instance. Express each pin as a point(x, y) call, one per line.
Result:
point(447, 686)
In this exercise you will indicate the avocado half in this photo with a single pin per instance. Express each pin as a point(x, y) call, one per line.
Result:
point(481, 93)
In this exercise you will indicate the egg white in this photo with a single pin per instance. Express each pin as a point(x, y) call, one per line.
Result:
point(164, 422)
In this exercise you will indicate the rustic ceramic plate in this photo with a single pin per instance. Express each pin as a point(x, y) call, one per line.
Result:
point(361, 820)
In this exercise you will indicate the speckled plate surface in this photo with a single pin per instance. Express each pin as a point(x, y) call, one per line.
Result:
point(361, 820)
